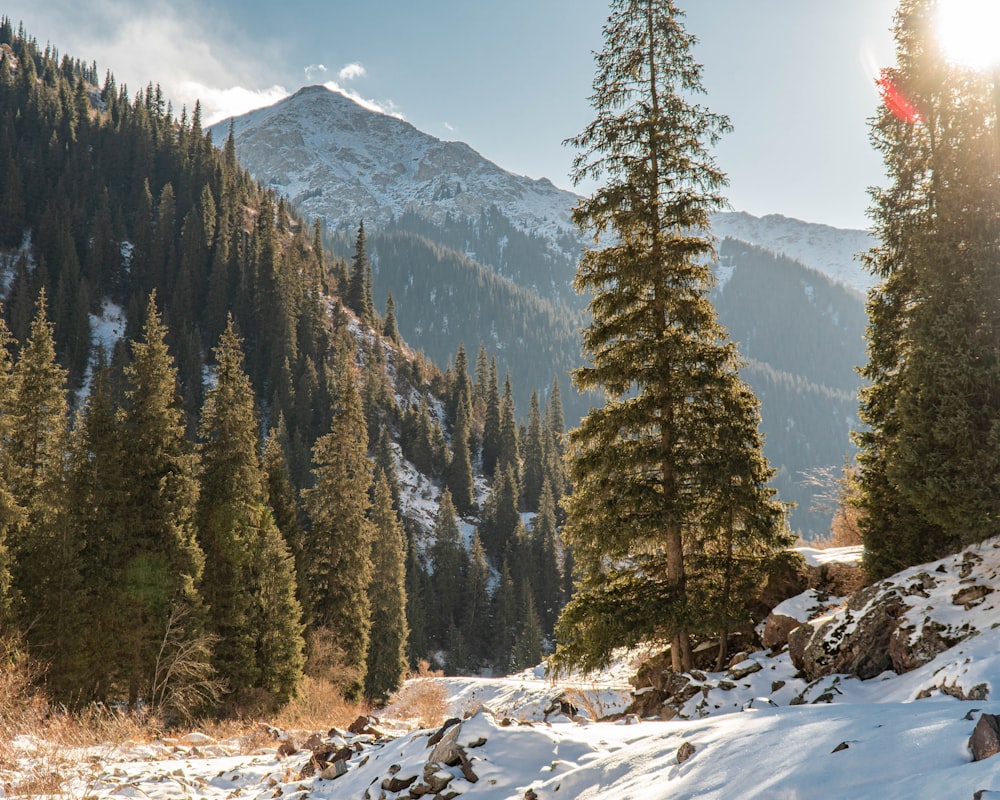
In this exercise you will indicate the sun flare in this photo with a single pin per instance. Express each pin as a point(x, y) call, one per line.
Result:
point(969, 32)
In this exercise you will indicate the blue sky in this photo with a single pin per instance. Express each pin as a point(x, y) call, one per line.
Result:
point(512, 79)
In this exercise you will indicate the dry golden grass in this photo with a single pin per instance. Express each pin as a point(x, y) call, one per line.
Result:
point(421, 698)
point(318, 705)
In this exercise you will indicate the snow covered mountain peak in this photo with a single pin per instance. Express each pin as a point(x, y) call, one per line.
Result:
point(343, 162)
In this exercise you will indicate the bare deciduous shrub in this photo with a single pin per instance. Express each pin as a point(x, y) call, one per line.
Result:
point(589, 700)
point(325, 659)
point(184, 680)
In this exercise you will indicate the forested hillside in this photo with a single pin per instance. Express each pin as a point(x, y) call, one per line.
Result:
point(476, 256)
point(802, 336)
point(252, 478)
point(443, 298)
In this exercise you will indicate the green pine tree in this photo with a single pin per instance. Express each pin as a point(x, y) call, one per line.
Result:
point(656, 349)
point(236, 529)
point(449, 564)
point(491, 423)
point(417, 600)
point(338, 546)
point(158, 598)
point(45, 551)
point(500, 515)
point(508, 452)
point(387, 596)
point(505, 618)
point(534, 457)
point(548, 572)
point(929, 456)
point(528, 642)
point(359, 289)
point(458, 474)
point(390, 329)
point(476, 621)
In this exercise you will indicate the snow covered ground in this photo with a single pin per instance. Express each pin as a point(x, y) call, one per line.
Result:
point(756, 731)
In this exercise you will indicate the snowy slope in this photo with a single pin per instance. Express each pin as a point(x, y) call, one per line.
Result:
point(757, 731)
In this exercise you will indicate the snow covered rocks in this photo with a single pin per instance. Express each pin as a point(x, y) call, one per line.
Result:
point(905, 621)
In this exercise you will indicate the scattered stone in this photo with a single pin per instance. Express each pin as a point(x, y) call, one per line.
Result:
point(776, 630)
point(777, 686)
point(907, 652)
point(314, 743)
point(738, 673)
point(447, 750)
point(395, 784)
point(971, 713)
point(436, 737)
point(287, 748)
point(434, 780)
point(560, 704)
point(985, 739)
point(684, 752)
point(969, 561)
point(365, 726)
point(739, 658)
point(853, 642)
point(839, 747)
point(466, 766)
point(530, 795)
point(977, 693)
point(334, 770)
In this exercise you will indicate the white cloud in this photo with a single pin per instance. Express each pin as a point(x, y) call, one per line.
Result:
point(157, 42)
point(218, 104)
point(351, 72)
point(168, 42)
point(449, 127)
point(315, 72)
point(388, 107)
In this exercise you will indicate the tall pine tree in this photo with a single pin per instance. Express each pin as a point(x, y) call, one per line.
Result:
point(338, 546)
point(656, 349)
point(158, 597)
point(386, 662)
point(359, 289)
point(929, 459)
point(237, 530)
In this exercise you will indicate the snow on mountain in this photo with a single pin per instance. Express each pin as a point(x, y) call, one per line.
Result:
point(342, 162)
point(832, 251)
point(339, 161)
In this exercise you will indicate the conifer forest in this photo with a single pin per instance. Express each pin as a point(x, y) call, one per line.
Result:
point(224, 470)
